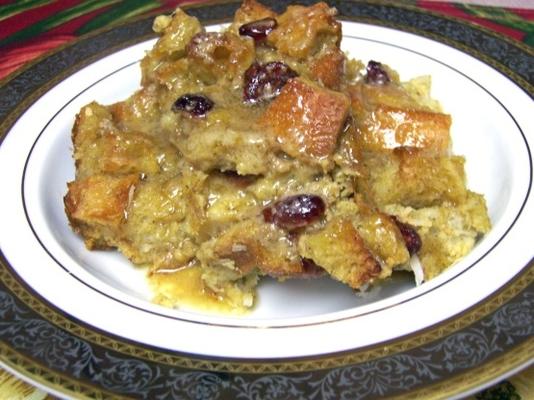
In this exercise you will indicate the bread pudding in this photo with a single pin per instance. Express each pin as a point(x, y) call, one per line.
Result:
point(264, 150)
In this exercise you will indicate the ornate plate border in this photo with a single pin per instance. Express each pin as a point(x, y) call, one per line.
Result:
point(492, 338)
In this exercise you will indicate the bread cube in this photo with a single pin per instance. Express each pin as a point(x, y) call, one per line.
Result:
point(216, 56)
point(164, 221)
point(225, 148)
point(101, 148)
point(305, 120)
point(304, 31)
point(90, 121)
point(140, 112)
point(387, 128)
point(328, 68)
point(97, 206)
point(252, 245)
point(341, 251)
point(448, 232)
point(387, 117)
point(176, 31)
point(249, 11)
point(410, 178)
point(382, 236)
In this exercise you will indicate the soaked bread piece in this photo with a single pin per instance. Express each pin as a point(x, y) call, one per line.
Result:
point(341, 251)
point(305, 31)
point(389, 117)
point(97, 206)
point(265, 150)
point(250, 11)
point(228, 139)
point(447, 232)
point(412, 178)
point(216, 56)
point(253, 245)
point(306, 120)
point(176, 32)
point(165, 220)
point(328, 68)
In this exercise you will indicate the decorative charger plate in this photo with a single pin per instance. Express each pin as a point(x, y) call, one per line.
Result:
point(80, 323)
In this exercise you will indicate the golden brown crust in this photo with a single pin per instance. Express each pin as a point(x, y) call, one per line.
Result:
point(216, 55)
point(100, 199)
point(382, 236)
point(304, 31)
point(249, 11)
point(252, 245)
point(341, 251)
point(387, 128)
point(328, 67)
point(100, 203)
point(410, 178)
point(386, 119)
point(139, 111)
point(175, 33)
point(306, 120)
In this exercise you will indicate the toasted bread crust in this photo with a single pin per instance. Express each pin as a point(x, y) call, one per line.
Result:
point(303, 31)
point(390, 119)
point(410, 178)
point(249, 11)
point(341, 251)
point(327, 68)
point(97, 206)
point(306, 120)
point(252, 245)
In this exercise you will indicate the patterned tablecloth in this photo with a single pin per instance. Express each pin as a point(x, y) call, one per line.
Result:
point(29, 29)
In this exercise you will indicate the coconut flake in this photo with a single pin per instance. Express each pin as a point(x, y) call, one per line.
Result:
point(417, 268)
point(238, 247)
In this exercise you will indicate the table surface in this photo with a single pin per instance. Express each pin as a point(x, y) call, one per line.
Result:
point(29, 29)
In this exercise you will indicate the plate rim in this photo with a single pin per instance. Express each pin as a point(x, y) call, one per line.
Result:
point(522, 282)
point(301, 321)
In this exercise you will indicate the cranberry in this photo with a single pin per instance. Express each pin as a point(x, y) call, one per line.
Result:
point(376, 74)
point(410, 236)
point(295, 211)
point(258, 30)
point(195, 104)
point(264, 82)
point(309, 267)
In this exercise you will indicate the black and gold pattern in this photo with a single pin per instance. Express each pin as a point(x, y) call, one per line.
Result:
point(70, 357)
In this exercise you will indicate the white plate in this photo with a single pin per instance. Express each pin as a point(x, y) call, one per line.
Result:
point(492, 127)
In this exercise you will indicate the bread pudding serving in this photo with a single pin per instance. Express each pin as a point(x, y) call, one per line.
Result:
point(264, 150)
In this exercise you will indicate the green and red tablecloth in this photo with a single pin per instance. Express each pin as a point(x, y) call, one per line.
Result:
point(31, 28)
